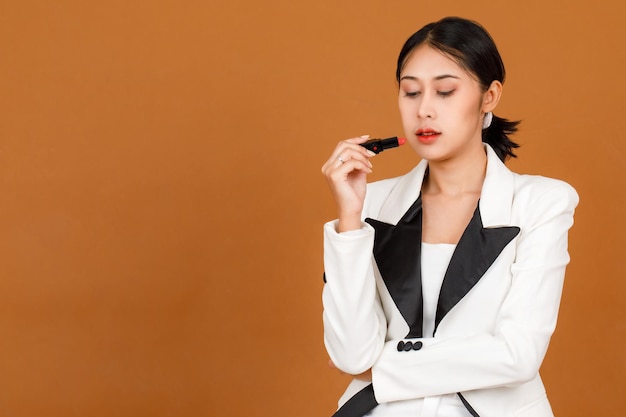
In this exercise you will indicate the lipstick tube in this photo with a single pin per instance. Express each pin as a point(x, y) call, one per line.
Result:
point(379, 145)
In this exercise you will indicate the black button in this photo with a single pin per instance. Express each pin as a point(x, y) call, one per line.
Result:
point(408, 345)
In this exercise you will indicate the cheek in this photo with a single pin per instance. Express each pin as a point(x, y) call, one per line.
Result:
point(465, 111)
point(405, 108)
point(406, 118)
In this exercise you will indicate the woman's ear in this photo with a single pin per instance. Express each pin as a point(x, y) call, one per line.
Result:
point(491, 97)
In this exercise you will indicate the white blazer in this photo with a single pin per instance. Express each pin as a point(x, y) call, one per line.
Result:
point(498, 304)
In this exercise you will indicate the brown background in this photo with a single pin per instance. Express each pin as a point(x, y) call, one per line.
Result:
point(161, 200)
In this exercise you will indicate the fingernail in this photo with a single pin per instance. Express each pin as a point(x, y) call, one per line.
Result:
point(370, 153)
point(365, 136)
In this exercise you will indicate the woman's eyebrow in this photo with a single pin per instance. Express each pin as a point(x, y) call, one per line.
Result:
point(437, 78)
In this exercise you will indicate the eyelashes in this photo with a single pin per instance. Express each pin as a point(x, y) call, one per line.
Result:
point(413, 94)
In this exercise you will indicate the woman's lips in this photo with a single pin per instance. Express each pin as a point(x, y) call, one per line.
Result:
point(427, 135)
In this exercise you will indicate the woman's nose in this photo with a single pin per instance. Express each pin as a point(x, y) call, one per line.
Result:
point(425, 107)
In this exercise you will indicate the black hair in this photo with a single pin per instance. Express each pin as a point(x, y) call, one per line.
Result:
point(471, 46)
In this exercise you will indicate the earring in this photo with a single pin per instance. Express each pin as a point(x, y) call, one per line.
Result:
point(487, 120)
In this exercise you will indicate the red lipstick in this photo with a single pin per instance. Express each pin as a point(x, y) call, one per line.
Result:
point(379, 145)
point(427, 135)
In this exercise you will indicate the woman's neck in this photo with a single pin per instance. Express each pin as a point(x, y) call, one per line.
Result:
point(457, 176)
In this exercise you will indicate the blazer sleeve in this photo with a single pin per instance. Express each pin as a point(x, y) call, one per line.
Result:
point(512, 353)
point(354, 322)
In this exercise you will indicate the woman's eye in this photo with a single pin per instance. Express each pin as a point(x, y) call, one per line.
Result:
point(411, 93)
point(445, 93)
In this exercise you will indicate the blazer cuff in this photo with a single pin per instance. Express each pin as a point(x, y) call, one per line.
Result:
point(330, 229)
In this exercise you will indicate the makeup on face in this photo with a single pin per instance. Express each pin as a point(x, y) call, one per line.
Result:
point(427, 135)
point(379, 145)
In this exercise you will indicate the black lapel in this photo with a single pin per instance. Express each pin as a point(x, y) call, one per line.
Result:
point(476, 251)
point(360, 404)
point(467, 405)
point(397, 252)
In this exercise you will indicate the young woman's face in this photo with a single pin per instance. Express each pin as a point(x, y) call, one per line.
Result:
point(440, 105)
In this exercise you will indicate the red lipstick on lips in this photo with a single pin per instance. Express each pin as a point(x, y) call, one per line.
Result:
point(427, 135)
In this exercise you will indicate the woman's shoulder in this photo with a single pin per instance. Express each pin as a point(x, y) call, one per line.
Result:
point(544, 193)
point(538, 184)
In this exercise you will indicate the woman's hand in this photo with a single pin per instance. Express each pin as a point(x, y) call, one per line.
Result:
point(365, 376)
point(346, 172)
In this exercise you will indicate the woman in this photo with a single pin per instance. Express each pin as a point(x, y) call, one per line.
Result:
point(443, 285)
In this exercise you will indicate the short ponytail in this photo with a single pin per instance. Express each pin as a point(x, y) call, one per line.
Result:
point(497, 136)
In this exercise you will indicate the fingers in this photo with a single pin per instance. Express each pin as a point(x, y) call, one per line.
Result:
point(345, 163)
point(351, 149)
point(345, 171)
point(348, 156)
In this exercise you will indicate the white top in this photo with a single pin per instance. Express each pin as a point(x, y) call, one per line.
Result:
point(435, 260)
